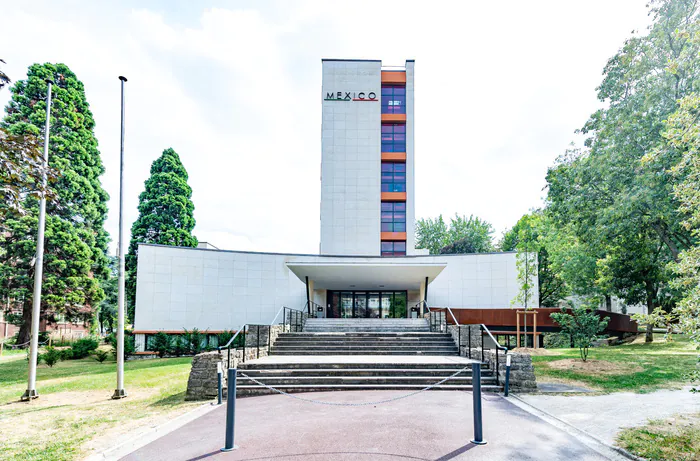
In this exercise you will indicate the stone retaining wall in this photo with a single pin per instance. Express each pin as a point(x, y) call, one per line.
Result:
point(522, 372)
point(202, 383)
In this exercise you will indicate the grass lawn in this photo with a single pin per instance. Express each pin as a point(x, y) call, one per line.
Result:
point(74, 414)
point(674, 439)
point(634, 367)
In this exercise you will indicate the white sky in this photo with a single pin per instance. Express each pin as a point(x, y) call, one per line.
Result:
point(234, 88)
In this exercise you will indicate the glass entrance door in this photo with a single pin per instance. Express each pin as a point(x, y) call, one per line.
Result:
point(373, 305)
point(346, 305)
point(362, 304)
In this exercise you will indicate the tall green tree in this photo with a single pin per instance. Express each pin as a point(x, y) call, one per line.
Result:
point(463, 235)
point(627, 212)
point(165, 215)
point(682, 151)
point(534, 233)
point(107, 315)
point(76, 241)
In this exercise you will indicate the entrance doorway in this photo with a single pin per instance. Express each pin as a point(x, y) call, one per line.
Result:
point(367, 304)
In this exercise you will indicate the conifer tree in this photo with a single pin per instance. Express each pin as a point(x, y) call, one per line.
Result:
point(165, 215)
point(76, 241)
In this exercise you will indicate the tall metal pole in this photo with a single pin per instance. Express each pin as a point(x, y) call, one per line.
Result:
point(31, 392)
point(119, 392)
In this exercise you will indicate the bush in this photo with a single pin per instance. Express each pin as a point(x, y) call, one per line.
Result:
point(162, 344)
point(194, 340)
point(101, 355)
point(556, 340)
point(224, 337)
point(83, 347)
point(129, 347)
point(66, 354)
point(178, 346)
point(583, 325)
point(51, 357)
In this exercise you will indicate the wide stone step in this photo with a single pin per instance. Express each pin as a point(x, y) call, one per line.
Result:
point(319, 366)
point(374, 372)
point(365, 342)
point(370, 380)
point(361, 352)
point(249, 390)
point(361, 334)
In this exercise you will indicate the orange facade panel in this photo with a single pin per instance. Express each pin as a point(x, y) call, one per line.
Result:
point(401, 236)
point(393, 196)
point(394, 77)
point(394, 118)
point(393, 156)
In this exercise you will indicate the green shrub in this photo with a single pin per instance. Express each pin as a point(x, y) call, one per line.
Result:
point(51, 357)
point(101, 355)
point(556, 340)
point(178, 346)
point(194, 340)
point(83, 347)
point(583, 325)
point(224, 337)
point(162, 344)
point(66, 354)
point(129, 346)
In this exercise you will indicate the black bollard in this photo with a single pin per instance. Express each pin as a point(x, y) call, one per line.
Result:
point(220, 384)
point(505, 388)
point(476, 392)
point(230, 410)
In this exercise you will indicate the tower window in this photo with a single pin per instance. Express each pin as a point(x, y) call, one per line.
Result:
point(393, 248)
point(393, 137)
point(393, 177)
point(394, 217)
point(393, 99)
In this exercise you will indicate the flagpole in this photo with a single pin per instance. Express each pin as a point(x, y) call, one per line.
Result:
point(31, 392)
point(119, 392)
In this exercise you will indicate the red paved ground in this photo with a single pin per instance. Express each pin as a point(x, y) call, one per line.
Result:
point(434, 425)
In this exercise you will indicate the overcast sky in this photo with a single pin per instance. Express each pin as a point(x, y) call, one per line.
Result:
point(234, 88)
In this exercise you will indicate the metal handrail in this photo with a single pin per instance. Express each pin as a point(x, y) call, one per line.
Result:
point(309, 304)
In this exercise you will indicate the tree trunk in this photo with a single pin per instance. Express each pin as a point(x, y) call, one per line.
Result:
point(608, 303)
point(650, 308)
point(25, 330)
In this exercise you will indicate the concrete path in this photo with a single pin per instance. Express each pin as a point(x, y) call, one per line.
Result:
point(603, 416)
point(434, 425)
point(365, 359)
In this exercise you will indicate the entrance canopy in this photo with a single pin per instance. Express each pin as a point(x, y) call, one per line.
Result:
point(388, 275)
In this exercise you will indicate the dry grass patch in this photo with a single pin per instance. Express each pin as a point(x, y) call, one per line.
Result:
point(594, 366)
point(673, 439)
point(533, 351)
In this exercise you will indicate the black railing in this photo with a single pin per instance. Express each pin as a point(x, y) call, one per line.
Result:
point(483, 334)
point(438, 321)
point(294, 319)
point(313, 308)
point(249, 336)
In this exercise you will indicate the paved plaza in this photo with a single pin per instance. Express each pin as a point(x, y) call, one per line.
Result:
point(435, 425)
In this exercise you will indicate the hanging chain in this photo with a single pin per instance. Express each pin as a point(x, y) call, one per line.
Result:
point(339, 404)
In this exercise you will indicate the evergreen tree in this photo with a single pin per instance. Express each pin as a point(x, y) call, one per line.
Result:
point(76, 241)
point(165, 215)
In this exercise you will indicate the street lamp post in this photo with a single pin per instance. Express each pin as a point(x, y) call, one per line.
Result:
point(119, 392)
point(31, 392)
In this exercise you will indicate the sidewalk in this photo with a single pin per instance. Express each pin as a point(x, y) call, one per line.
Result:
point(603, 416)
point(435, 425)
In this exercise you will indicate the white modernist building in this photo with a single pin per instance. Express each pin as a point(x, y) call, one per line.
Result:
point(368, 265)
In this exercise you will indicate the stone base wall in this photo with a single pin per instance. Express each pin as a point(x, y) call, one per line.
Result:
point(202, 382)
point(522, 372)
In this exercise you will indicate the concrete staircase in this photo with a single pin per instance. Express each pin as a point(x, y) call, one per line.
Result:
point(364, 343)
point(341, 376)
point(361, 354)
